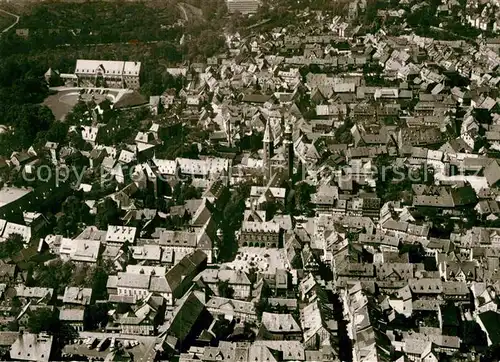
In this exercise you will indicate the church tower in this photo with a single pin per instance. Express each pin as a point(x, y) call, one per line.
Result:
point(268, 153)
point(288, 150)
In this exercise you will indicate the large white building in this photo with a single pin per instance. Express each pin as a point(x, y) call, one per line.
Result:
point(243, 6)
point(108, 73)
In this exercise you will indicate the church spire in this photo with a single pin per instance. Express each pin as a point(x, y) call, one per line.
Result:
point(268, 143)
point(268, 133)
point(288, 149)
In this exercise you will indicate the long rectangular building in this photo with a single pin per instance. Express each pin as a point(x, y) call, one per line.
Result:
point(243, 6)
point(108, 73)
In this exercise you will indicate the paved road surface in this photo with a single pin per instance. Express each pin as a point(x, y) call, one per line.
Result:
point(13, 24)
point(181, 6)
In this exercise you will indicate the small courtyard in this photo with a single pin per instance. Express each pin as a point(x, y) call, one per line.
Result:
point(62, 102)
point(262, 259)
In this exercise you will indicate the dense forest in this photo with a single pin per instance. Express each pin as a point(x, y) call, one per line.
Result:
point(60, 33)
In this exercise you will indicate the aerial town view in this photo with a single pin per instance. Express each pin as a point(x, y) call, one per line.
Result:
point(250, 180)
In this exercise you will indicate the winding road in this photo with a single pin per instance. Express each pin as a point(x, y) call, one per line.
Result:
point(13, 24)
point(184, 12)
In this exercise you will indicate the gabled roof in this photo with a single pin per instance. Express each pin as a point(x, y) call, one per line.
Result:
point(185, 316)
point(238, 306)
point(492, 173)
point(71, 315)
point(280, 323)
point(183, 269)
point(77, 295)
point(32, 347)
point(268, 133)
point(426, 286)
point(131, 99)
point(202, 214)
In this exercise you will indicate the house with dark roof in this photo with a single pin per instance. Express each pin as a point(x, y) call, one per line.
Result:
point(449, 319)
point(489, 322)
point(176, 282)
point(187, 320)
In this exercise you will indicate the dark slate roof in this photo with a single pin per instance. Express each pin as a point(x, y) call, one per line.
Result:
point(186, 316)
point(491, 322)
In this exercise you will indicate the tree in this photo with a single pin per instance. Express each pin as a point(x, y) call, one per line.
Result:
point(77, 162)
point(75, 207)
point(176, 192)
point(11, 246)
point(98, 279)
point(252, 142)
point(343, 133)
point(492, 354)
point(107, 214)
point(262, 306)
point(270, 208)
point(55, 275)
point(416, 252)
point(13, 326)
point(231, 220)
point(149, 201)
point(79, 276)
point(300, 201)
point(77, 114)
point(29, 120)
point(76, 212)
point(16, 305)
point(8, 144)
point(252, 275)
point(184, 191)
point(473, 335)
point(297, 263)
point(392, 182)
point(43, 320)
point(225, 290)
point(422, 18)
point(75, 140)
point(96, 316)
point(57, 132)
